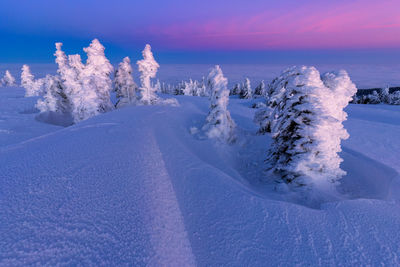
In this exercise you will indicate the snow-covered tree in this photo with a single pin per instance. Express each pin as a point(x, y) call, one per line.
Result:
point(385, 95)
point(219, 123)
point(246, 91)
point(32, 87)
point(260, 89)
point(308, 129)
point(96, 75)
point(148, 69)
point(235, 90)
point(124, 85)
point(202, 88)
point(8, 79)
point(190, 88)
point(54, 98)
point(373, 98)
point(395, 98)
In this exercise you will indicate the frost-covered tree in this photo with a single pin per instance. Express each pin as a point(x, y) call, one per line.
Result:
point(8, 79)
point(219, 123)
point(308, 129)
point(202, 88)
point(190, 88)
point(260, 89)
point(395, 98)
point(385, 95)
point(148, 69)
point(235, 90)
point(246, 91)
point(32, 87)
point(54, 98)
point(373, 98)
point(124, 85)
point(96, 75)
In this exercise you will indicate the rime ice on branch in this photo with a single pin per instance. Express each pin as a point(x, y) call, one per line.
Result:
point(148, 69)
point(219, 123)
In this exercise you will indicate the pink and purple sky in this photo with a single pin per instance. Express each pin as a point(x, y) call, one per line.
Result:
point(29, 28)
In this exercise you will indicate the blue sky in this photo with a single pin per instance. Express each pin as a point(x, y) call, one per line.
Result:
point(204, 31)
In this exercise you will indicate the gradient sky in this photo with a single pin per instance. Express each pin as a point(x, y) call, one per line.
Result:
point(184, 28)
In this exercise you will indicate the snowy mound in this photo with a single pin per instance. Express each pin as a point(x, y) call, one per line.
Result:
point(133, 186)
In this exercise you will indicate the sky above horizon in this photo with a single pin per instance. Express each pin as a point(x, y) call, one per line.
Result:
point(184, 29)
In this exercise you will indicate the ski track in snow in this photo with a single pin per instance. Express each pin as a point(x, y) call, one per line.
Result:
point(133, 187)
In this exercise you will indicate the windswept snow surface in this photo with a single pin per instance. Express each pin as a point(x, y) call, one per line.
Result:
point(134, 187)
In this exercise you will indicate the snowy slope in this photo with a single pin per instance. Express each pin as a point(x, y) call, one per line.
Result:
point(133, 186)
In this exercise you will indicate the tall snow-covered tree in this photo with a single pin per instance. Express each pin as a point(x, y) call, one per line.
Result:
point(148, 69)
point(219, 123)
point(190, 88)
point(124, 85)
point(96, 75)
point(260, 89)
point(32, 87)
point(8, 79)
point(54, 97)
point(246, 91)
point(308, 129)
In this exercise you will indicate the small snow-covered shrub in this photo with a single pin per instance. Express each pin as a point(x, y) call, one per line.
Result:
point(219, 123)
point(8, 79)
point(148, 69)
point(124, 85)
point(307, 128)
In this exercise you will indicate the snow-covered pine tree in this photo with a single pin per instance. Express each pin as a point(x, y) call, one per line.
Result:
point(190, 88)
point(202, 88)
point(385, 95)
point(32, 87)
point(246, 91)
point(373, 98)
point(235, 90)
point(54, 98)
point(308, 128)
point(260, 89)
point(219, 123)
point(148, 69)
point(395, 98)
point(124, 85)
point(8, 79)
point(96, 75)
point(274, 94)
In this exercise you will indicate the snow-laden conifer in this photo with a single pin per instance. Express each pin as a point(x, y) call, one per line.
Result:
point(308, 129)
point(124, 85)
point(246, 91)
point(8, 79)
point(32, 87)
point(148, 69)
point(219, 123)
point(96, 75)
point(385, 95)
point(260, 89)
point(235, 90)
point(54, 97)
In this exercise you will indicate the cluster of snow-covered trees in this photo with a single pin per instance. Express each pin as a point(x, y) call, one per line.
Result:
point(383, 97)
point(83, 89)
point(304, 114)
point(8, 80)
